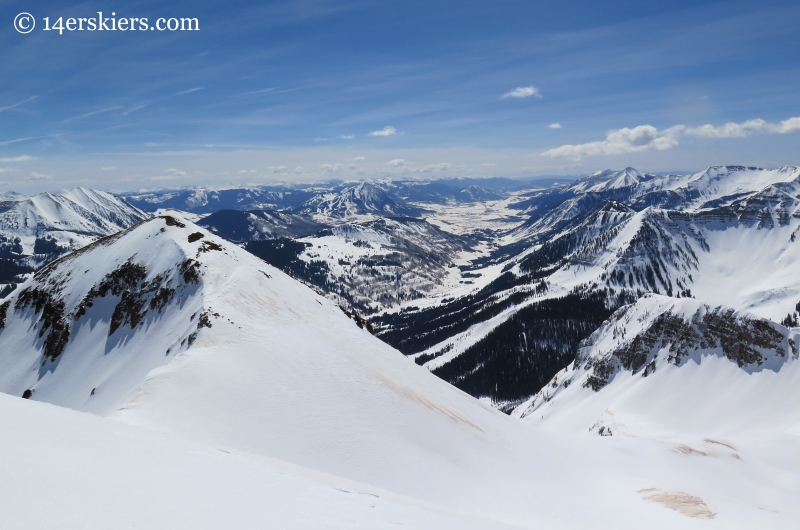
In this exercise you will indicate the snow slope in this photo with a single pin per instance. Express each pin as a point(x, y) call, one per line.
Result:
point(98, 474)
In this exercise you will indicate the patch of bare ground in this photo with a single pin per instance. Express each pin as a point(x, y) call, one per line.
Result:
point(683, 503)
point(726, 444)
point(686, 450)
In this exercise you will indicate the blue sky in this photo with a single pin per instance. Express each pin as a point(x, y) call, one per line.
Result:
point(307, 90)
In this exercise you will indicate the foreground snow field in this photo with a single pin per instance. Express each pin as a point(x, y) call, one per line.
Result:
point(70, 470)
point(236, 397)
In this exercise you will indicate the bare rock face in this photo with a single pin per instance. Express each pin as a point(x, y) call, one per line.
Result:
point(744, 339)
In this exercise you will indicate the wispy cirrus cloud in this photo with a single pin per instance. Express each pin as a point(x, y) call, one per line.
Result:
point(646, 137)
point(22, 158)
point(255, 92)
point(196, 89)
point(15, 105)
point(93, 113)
point(386, 131)
point(17, 140)
point(523, 92)
point(135, 108)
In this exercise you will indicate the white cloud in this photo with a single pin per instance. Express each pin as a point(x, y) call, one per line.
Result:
point(276, 169)
point(434, 167)
point(109, 168)
point(161, 177)
point(8, 169)
point(23, 158)
point(39, 176)
point(488, 165)
point(359, 158)
point(645, 137)
point(397, 162)
point(555, 125)
point(245, 171)
point(177, 172)
point(347, 136)
point(330, 168)
point(523, 92)
point(740, 130)
point(386, 131)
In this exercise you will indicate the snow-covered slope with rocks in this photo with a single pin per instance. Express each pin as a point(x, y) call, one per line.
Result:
point(666, 366)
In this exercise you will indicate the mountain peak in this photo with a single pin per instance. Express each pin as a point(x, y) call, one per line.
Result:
point(610, 179)
point(364, 198)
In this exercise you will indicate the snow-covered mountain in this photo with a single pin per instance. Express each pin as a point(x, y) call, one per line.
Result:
point(78, 213)
point(610, 180)
point(361, 199)
point(250, 398)
point(34, 230)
